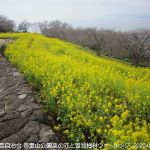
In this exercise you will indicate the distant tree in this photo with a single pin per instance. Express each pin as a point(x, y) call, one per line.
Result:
point(24, 26)
point(43, 27)
point(138, 45)
point(54, 29)
point(90, 37)
point(58, 29)
point(99, 41)
point(6, 25)
point(66, 31)
point(35, 27)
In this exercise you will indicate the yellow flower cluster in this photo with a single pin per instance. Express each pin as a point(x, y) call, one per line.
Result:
point(94, 99)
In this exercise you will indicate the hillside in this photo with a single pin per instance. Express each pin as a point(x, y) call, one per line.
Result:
point(93, 99)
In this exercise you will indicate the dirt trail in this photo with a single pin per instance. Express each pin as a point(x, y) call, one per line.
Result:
point(21, 118)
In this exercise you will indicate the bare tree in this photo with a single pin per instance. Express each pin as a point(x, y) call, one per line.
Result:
point(138, 45)
point(24, 26)
point(43, 26)
point(58, 29)
point(99, 41)
point(55, 29)
point(6, 25)
point(35, 27)
point(92, 38)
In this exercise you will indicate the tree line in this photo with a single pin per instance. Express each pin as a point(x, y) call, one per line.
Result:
point(6, 25)
point(132, 46)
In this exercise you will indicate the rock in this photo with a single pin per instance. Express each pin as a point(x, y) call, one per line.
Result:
point(47, 136)
point(33, 139)
point(1, 90)
point(30, 100)
point(44, 127)
point(2, 104)
point(14, 69)
point(10, 98)
point(16, 74)
point(2, 113)
point(18, 137)
point(9, 116)
point(11, 126)
point(13, 106)
point(44, 140)
point(22, 96)
point(22, 108)
point(40, 116)
point(24, 90)
point(35, 106)
point(27, 112)
point(32, 127)
point(33, 118)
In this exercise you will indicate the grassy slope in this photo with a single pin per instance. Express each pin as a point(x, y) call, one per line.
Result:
point(95, 99)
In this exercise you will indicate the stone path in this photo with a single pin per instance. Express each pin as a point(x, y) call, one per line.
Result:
point(21, 118)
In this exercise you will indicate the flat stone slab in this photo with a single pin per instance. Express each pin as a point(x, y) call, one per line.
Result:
point(22, 96)
point(1, 90)
point(21, 117)
point(2, 113)
point(16, 74)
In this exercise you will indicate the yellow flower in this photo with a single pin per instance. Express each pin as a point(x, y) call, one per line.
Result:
point(106, 111)
point(71, 135)
point(115, 120)
point(83, 137)
point(116, 100)
point(105, 130)
point(56, 128)
point(101, 119)
point(109, 104)
point(66, 131)
point(125, 114)
point(99, 131)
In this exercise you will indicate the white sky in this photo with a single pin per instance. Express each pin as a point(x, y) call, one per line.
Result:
point(119, 14)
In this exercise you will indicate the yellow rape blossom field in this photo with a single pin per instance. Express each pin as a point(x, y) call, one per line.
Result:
point(94, 99)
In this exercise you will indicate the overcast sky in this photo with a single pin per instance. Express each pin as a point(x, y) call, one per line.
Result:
point(114, 14)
